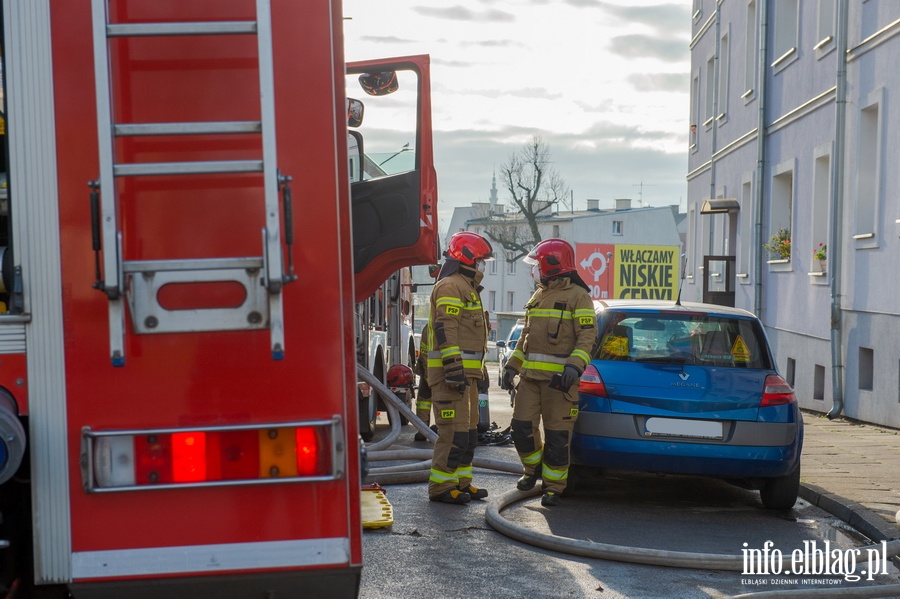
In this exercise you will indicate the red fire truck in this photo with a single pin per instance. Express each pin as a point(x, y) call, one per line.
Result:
point(187, 231)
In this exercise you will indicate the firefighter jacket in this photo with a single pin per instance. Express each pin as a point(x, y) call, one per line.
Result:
point(458, 328)
point(560, 328)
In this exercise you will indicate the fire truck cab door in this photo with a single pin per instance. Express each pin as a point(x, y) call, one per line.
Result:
point(393, 182)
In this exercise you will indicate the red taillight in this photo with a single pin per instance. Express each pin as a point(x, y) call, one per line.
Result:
point(188, 457)
point(591, 383)
point(213, 455)
point(153, 459)
point(777, 392)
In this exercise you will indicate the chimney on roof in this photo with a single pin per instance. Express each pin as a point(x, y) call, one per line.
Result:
point(623, 203)
point(593, 205)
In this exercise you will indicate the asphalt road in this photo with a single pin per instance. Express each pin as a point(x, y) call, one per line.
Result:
point(437, 550)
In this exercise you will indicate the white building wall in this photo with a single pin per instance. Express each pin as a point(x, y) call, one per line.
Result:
point(798, 96)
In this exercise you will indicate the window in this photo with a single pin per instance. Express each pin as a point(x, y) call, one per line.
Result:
point(819, 382)
point(825, 27)
point(510, 266)
point(492, 301)
point(782, 197)
point(785, 47)
point(750, 58)
point(618, 227)
point(866, 369)
point(556, 231)
point(724, 69)
point(746, 255)
point(867, 188)
point(821, 193)
point(510, 301)
point(695, 109)
point(710, 90)
point(790, 374)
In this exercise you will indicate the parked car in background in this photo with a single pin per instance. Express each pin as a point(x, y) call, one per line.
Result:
point(505, 348)
point(688, 389)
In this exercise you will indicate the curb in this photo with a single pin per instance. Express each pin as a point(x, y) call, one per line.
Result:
point(872, 525)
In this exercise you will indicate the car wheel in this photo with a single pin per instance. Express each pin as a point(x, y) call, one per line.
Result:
point(780, 493)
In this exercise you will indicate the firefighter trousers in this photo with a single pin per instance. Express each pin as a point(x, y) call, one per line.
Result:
point(535, 400)
point(456, 415)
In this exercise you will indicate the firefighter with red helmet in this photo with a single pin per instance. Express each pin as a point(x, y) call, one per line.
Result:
point(551, 354)
point(458, 334)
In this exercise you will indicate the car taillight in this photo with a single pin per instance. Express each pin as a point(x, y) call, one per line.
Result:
point(165, 458)
point(591, 383)
point(777, 392)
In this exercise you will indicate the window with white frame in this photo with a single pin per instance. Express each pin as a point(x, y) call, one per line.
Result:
point(710, 90)
point(867, 168)
point(745, 251)
point(750, 58)
point(618, 227)
point(724, 70)
point(492, 301)
point(786, 32)
point(510, 301)
point(510, 265)
point(556, 231)
point(492, 269)
point(782, 199)
point(825, 26)
point(695, 109)
point(821, 193)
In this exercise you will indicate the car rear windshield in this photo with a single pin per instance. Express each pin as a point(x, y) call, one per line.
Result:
point(682, 338)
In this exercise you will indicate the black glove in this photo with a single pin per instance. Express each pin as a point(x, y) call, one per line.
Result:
point(455, 376)
point(569, 375)
point(506, 381)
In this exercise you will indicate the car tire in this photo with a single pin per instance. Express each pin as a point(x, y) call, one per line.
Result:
point(368, 415)
point(780, 493)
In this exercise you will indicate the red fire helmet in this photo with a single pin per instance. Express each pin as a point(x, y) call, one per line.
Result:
point(553, 256)
point(467, 247)
point(400, 375)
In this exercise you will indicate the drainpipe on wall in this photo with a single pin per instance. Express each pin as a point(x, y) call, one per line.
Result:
point(836, 210)
point(763, 10)
point(715, 118)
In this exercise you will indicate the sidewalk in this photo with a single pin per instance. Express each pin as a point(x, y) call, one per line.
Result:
point(852, 470)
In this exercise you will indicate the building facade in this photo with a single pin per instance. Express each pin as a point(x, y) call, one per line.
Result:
point(607, 245)
point(790, 137)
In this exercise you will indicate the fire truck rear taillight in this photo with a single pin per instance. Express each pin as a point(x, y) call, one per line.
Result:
point(130, 460)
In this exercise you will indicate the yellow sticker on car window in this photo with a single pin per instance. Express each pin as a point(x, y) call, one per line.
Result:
point(452, 310)
point(740, 351)
point(616, 346)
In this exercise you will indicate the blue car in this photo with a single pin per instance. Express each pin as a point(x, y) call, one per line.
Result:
point(688, 389)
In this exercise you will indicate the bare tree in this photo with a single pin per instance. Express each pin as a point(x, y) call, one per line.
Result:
point(534, 186)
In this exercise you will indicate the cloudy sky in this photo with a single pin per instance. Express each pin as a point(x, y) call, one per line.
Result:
point(605, 83)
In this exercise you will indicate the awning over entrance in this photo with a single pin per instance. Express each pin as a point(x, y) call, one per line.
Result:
point(720, 206)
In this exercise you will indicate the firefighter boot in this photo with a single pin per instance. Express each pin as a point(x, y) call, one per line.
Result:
point(527, 482)
point(475, 493)
point(550, 499)
point(452, 496)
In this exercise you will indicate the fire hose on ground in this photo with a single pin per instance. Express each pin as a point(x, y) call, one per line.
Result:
point(418, 472)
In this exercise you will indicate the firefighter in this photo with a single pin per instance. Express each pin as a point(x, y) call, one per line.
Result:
point(552, 352)
point(455, 365)
point(423, 397)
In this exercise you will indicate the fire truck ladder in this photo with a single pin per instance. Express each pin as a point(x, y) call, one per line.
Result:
point(138, 282)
